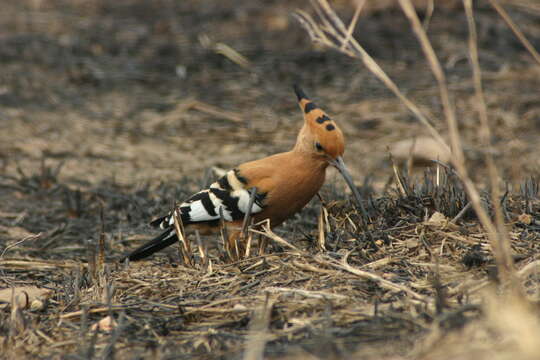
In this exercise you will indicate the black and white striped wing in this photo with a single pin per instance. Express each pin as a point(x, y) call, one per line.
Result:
point(230, 193)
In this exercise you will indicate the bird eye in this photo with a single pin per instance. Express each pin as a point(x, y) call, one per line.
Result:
point(318, 146)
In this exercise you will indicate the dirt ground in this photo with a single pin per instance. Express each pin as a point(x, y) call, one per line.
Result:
point(111, 111)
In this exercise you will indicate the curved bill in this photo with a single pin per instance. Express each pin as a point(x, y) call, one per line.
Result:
point(340, 165)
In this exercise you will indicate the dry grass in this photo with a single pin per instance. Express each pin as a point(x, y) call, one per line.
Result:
point(413, 275)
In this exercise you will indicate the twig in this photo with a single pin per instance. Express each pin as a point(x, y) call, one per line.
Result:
point(202, 250)
point(352, 25)
point(397, 176)
point(343, 265)
point(184, 247)
point(273, 236)
point(515, 30)
point(500, 239)
point(461, 213)
point(225, 234)
point(247, 217)
point(232, 55)
point(307, 293)
point(320, 225)
point(29, 237)
point(258, 331)
point(103, 309)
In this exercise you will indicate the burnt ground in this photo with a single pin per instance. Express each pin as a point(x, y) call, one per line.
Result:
point(109, 111)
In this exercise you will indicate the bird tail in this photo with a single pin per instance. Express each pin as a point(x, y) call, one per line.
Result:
point(167, 238)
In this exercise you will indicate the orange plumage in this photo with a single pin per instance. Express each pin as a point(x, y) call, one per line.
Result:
point(284, 183)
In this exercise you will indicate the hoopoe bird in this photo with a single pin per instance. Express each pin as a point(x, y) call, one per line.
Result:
point(283, 183)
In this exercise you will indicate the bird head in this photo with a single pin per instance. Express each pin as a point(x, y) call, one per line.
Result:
point(320, 136)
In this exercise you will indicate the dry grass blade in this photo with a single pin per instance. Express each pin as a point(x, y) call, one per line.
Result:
point(267, 232)
point(30, 265)
point(320, 226)
point(29, 237)
point(215, 111)
point(232, 55)
point(184, 248)
point(515, 29)
point(80, 313)
point(249, 240)
point(485, 137)
point(352, 25)
point(100, 256)
point(202, 250)
point(343, 265)
point(397, 177)
point(258, 331)
point(461, 213)
point(247, 217)
point(430, 7)
point(225, 235)
point(307, 293)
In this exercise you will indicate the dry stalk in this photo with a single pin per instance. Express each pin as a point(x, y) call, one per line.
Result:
point(267, 232)
point(321, 236)
point(29, 237)
point(39, 265)
point(397, 177)
point(100, 260)
point(307, 293)
point(248, 245)
point(246, 237)
point(354, 20)
point(263, 244)
point(430, 7)
point(225, 234)
point(232, 55)
point(259, 331)
point(343, 265)
point(508, 20)
point(99, 310)
point(485, 137)
point(184, 248)
point(202, 251)
point(461, 213)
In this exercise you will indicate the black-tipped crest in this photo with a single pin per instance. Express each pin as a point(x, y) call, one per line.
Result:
point(299, 93)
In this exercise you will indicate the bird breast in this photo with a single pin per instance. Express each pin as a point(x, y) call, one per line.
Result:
point(294, 183)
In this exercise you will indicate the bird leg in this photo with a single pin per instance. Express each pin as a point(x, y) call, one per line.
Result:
point(236, 247)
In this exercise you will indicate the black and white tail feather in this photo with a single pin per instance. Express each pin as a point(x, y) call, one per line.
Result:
point(230, 193)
